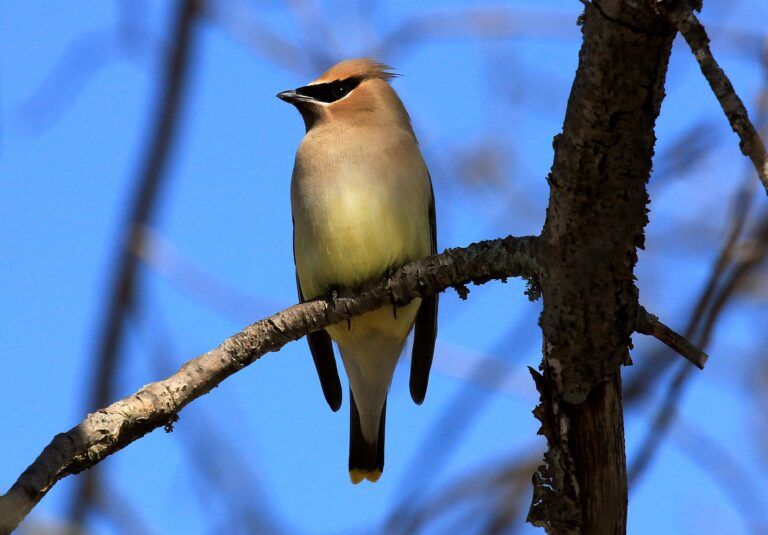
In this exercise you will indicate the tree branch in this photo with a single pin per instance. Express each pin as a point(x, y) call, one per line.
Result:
point(595, 222)
point(696, 36)
point(649, 324)
point(157, 405)
point(665, 415)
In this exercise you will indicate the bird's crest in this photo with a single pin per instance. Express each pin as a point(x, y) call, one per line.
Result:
point(360, 68)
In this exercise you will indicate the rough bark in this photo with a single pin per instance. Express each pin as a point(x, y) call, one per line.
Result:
point(595, 221)
point(156, 405)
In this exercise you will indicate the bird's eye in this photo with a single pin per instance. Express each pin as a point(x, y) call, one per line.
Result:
point(330, 91)
point(340, 91)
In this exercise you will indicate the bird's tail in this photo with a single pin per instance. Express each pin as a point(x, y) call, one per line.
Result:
point(366, 460)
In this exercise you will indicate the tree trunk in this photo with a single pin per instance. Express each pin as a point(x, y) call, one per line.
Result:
point(595, 221)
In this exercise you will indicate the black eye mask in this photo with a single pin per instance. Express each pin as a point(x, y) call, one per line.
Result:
point(331, 91)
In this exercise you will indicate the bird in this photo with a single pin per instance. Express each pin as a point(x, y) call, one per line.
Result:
point(362, 204)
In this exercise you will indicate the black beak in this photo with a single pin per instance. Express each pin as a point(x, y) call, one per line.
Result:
point(292, 97)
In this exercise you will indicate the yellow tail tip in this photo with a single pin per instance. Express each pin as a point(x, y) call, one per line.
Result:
point(358, 475)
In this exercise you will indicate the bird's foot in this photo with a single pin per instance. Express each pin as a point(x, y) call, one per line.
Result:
point(331, 296)
point(390, 273)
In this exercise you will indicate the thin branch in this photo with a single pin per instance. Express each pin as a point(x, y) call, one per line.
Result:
point(477, 485)
point(238, 20)
point(319, 44)
point(654, 365)
point(649, 324)
point(667, 412)
point(156, 405)
point(458, 414)
point(661, 423)
point(487, 371)
point(220, 470)
point(696, 36)
point(476, 23)
point(120, 512)
point(723, 464)
point(162, 257)
point(80, 61)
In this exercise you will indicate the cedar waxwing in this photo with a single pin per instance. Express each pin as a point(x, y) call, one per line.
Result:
point(362, 204)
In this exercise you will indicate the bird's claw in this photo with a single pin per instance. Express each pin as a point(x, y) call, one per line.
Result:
point(390, 272)
point(331, 297)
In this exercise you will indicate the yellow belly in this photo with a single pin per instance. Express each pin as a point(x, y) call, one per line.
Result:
point(355, 234)
point(353, 242)
point(357, 213)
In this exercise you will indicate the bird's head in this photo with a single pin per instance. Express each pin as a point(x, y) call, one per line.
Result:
point(355, 91)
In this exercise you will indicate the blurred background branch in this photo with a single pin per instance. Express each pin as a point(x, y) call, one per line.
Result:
point(121, 296)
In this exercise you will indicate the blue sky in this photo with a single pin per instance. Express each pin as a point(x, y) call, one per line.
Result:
point(75, 104)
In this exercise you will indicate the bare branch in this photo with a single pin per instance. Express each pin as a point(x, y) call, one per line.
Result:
point(166, 260)
point(665, 416)
point(726, 468)
point(476, 23)
point(239, 20)
point(696, 36)
point(457, 415)
point(498, 487)
point(649, 324)
point(156, 405)
point(655, 364)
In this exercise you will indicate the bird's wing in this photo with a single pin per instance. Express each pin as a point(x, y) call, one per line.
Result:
point(321, 347)
point(426, 326)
